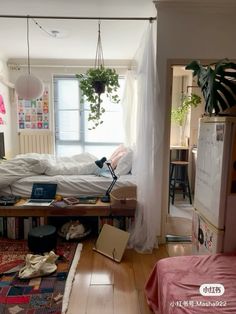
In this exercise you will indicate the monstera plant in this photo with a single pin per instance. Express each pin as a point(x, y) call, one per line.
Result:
point(93, 84)
point(218, 84)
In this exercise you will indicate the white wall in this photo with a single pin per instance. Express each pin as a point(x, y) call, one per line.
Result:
point(5, 92)
point(190, 30)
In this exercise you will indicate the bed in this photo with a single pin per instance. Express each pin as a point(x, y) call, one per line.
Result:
point(173, 285)
point(75, 176)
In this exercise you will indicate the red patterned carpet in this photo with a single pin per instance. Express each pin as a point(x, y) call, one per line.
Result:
point(37, 295)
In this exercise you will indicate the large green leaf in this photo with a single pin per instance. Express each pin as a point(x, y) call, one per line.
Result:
point(218, 84)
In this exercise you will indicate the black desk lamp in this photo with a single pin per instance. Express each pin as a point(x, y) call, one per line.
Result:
point(99, 163)
point(106, 197)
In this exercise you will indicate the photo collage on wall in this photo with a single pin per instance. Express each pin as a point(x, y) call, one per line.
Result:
point(34, 114)
point(2, 110)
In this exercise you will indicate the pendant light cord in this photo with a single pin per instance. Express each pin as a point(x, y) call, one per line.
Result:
point(28, 46)
point(51, 34)
point(99, 61)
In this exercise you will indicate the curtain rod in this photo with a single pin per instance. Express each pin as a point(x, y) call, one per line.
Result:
point(151, 19)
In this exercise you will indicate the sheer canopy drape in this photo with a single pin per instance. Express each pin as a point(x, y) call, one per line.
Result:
point(129, 104)
point(147, 164)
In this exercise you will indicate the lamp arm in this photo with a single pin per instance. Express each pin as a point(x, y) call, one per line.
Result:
point(106, 198)
point(111, 186)
point(114, 176)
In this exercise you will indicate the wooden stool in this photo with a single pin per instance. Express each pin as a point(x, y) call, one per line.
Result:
point(179, 179)
point(42, 239)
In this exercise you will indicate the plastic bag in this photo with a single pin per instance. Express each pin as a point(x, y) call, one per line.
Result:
point(38, 265)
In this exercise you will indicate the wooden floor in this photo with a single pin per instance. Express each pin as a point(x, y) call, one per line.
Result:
point(105, 287)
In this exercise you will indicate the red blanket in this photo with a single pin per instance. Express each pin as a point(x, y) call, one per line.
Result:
point(173, 286)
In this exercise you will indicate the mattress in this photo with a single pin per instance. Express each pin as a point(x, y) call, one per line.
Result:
point(70, 185)
point(173, 286)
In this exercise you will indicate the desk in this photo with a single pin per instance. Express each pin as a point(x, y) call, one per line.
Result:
point(98, 209)
point(103, 211)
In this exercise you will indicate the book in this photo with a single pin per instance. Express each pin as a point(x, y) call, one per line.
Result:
point(88, 199)
point(80, 200)
point(11, 228)
point(41, 221)
point(1, 227)
point(71, 200)
point(26, 228)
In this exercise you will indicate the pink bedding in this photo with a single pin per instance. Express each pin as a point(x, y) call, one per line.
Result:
point(173, 286)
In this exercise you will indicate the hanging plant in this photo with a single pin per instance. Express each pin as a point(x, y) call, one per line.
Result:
point(93, 84)
point(218, 84)
point(179, 114)
point(97, 81)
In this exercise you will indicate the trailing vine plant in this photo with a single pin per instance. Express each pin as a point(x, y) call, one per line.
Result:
point(179, 114)
point(94, 83)
point(97, 81)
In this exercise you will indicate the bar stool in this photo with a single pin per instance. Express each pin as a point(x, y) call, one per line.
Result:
point(179, 179)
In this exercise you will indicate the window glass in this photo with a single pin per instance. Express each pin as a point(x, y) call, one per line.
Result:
point(100, 151)
point(68, 122)
point(68, 150)
point(68, 94)
point(110, 131)
point(73, 134)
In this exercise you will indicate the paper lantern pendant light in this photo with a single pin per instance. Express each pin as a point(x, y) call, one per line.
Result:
point(28, 86)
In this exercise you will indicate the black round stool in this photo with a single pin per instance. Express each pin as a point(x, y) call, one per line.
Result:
point(179, 179)
point(42, 239)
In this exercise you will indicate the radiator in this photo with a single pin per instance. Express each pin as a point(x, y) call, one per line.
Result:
point(36, 142)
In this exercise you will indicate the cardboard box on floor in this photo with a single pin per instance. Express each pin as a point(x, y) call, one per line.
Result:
point(112, 242)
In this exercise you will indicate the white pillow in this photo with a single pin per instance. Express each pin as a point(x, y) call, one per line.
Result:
point(124, 165)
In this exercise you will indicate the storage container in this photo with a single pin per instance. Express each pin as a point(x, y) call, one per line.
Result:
point(124, 198)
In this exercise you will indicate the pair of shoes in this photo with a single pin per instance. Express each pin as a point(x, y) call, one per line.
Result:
point(38, 265)
point(100, 162)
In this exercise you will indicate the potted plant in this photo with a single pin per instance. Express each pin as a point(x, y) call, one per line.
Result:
point(179, 114)
point(95, 82)
point(218, 84)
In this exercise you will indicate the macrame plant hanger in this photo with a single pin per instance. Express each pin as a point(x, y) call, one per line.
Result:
point(99, 86)
point(99, 61)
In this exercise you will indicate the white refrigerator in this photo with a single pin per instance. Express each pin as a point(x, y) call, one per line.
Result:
point(214, 217)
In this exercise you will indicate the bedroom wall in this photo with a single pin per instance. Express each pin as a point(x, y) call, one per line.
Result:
point(188, 30)
point(5, 118)
point(45, 69)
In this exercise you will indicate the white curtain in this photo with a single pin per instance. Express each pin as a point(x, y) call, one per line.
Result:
point(147, 164)
point(129, 109)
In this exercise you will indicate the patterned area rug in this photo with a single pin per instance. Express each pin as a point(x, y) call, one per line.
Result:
point(49, 294)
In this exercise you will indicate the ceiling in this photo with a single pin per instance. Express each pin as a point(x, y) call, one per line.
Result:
point(77, 38)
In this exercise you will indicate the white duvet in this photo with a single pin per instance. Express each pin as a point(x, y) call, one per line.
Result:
point(33, 164)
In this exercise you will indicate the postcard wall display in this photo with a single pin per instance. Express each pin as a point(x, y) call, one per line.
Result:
point(2, 110)
point(34, 114)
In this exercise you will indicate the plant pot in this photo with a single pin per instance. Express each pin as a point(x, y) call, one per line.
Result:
point(99, 87)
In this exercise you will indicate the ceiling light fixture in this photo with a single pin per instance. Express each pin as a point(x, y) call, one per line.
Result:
point(28, 86)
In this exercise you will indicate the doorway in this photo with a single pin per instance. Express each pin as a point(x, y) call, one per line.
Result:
point(183, 148)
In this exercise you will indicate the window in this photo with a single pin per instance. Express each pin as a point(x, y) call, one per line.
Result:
point(72, 126)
